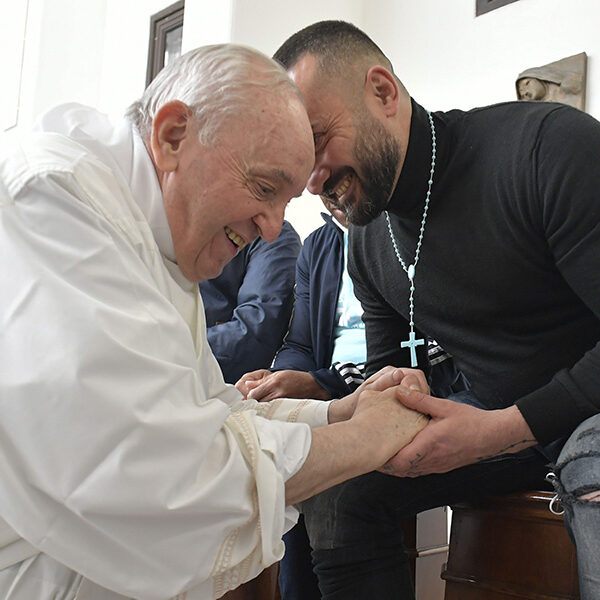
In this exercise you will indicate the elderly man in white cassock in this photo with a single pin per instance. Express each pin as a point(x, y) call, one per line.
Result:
point(129, 469)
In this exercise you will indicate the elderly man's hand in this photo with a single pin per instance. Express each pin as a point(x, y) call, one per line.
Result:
point(379, 426)
point(263, 385)
point(251, 380)
point(457, 435)
point(381, 415)
point(343, 408)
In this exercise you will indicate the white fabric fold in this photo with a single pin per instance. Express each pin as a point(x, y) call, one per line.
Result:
point(13, 548)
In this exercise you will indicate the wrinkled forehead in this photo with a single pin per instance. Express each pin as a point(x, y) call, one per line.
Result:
point(299, 155)
point(278, 137)
point(286, 119)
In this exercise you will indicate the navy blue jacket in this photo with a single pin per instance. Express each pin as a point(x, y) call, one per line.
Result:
point(248, 306)
point(308, 346)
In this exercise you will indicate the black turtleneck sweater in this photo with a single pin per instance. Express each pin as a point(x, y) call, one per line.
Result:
point(508, 280)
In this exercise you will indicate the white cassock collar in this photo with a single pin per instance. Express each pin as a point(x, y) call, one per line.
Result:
point(148, 196)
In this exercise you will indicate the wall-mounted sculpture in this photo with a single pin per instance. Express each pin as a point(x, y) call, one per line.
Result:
point(560, 81)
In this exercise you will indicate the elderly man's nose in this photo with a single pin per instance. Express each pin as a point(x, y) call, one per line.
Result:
point(269, 223)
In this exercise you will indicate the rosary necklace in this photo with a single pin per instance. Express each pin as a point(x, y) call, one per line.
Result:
point(411, 342)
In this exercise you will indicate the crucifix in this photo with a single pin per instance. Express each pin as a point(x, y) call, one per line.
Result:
point(410, 270)
point(412, 343)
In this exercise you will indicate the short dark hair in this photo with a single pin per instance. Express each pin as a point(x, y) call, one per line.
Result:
point(335, 44)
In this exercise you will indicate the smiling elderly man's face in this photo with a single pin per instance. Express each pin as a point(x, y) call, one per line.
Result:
point(220, 198)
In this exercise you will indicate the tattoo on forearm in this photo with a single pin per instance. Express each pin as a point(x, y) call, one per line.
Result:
point(414, 473)
point(507, 450)
point(414, 470)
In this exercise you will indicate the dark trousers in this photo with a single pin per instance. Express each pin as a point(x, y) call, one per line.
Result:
point(354, 528)
point(296, 578)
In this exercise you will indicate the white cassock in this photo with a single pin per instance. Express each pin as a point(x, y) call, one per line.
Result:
point(128, 468)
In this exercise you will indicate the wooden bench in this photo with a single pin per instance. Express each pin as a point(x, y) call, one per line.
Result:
point(509, 548)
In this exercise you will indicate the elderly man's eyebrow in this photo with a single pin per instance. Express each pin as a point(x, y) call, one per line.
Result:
point(278, 174)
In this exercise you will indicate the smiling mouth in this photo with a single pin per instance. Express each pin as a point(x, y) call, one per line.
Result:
point(235, 238)
point(343, 186)
point(334, 195)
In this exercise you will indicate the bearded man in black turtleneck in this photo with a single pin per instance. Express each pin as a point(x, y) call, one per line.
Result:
point(479, 229)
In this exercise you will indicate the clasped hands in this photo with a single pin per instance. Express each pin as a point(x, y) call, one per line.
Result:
point(386, 425)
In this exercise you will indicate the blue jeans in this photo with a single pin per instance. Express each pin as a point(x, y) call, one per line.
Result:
point(354, 528)
point(578, 471)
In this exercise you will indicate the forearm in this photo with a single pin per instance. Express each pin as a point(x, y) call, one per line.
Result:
point(458, 434)
point(509, 434)
point(333, 458)
point(294, 355)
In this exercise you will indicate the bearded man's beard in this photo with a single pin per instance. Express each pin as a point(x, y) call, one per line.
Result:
point(377, 153)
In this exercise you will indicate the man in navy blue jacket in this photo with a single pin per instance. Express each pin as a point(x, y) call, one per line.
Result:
point(248, 306)
point(303, 365)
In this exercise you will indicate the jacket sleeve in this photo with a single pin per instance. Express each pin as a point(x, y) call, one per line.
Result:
point(298, 352)
point(340, 379)
point(251, 338)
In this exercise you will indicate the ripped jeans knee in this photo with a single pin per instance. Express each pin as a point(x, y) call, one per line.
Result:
point(577, 472)
point(576, 479)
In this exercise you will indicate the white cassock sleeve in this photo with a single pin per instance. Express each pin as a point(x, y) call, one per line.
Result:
point(119, 458)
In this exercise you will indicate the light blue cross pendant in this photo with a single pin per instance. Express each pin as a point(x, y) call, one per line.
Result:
point(412, 343)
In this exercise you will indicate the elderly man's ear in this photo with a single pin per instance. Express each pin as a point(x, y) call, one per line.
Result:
point(172, 124)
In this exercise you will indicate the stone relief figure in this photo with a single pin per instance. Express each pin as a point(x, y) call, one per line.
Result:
point(560, 81)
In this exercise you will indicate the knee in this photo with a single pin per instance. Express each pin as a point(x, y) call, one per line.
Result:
point(578, 466)
point(351, 513)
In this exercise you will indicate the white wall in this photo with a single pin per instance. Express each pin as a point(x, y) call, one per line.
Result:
point(63, 53)
point(95, 51)
point(125, 51)
point(265, 24)
point(92, 51)
point(206, 22)
point(448, 58)
point(12, 38)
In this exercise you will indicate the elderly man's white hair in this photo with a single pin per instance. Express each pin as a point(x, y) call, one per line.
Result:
point(216, 82)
